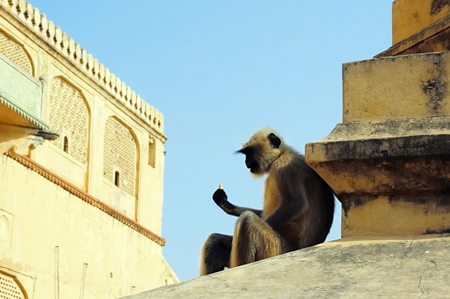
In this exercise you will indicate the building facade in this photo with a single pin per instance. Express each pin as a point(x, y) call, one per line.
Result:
point(81, 170)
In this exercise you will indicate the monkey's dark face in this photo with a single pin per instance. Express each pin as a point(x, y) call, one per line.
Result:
point(260, 152)
point(252, 157)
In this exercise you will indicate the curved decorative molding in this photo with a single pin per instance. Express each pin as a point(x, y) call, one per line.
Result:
point(17, 140)
point(72, 51)
point(11, 286)
point(27, 162)
point(21, 146)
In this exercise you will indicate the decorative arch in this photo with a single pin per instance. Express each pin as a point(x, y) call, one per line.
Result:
point(16, 52)
point(10, 287)
point(69, 115)
point(120, 155)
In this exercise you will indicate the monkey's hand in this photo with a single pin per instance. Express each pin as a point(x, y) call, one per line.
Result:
point(221, 199)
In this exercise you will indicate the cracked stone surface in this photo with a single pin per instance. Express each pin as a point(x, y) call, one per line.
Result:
point(394, 267)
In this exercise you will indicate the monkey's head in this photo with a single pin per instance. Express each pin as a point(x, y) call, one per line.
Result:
point(263, 148)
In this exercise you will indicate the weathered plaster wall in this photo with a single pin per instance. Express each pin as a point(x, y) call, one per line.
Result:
point(411, 16)
point(396, 87)
point(388, 161)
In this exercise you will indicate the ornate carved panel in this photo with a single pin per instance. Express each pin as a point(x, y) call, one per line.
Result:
point(15, 52)
point(69, 115)
point(10, 288)
point(119, 165)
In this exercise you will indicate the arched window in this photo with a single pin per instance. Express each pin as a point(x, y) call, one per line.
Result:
point(10, 287)
point(117, 178)
point(152, 153)
point(120, 156)
point(69, 113)
point(66, 144)
point(15, 52)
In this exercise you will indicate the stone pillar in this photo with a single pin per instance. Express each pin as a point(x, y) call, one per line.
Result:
point(389, 160)
point(419, 26)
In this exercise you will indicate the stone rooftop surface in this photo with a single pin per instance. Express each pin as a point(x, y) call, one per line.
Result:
point(404, 267)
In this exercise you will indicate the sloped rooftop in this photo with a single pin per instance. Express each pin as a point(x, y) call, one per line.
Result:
point(399, 267)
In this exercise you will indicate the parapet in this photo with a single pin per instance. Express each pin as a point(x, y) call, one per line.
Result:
point(84, 61)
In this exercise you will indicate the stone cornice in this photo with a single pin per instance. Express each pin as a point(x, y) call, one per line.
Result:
point(27, 162)
point(59, 41)
point(402, 47)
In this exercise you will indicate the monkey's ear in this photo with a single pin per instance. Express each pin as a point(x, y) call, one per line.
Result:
point(274, 140)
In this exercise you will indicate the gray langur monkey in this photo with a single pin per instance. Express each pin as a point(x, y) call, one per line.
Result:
point(298, 208)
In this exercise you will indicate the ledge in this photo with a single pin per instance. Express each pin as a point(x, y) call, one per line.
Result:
point(434, 38)
point(21, 93)
point(30, 119)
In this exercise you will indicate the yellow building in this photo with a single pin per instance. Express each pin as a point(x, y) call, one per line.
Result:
point(81, 170)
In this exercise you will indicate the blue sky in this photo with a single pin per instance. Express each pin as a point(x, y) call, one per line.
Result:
point(218, 71)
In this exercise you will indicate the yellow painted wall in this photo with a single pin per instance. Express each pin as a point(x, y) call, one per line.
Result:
point(396, 87)
point(102, 105)
point(42, 216)
point(388, 161)
point(411, 16)
point(37, 216)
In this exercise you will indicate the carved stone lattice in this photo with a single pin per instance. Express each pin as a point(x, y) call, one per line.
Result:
point(120, 155)
point(69, 115)
point(15, 52)
point(9, 289)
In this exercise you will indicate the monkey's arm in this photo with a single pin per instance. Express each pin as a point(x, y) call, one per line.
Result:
point(293, 205)
point(284, 214)
point(221, 199)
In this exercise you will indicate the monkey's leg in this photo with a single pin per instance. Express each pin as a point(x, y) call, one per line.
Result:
point(254, 240)
point(215, 254)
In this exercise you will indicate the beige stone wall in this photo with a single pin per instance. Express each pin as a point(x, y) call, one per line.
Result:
point(47, 238)
point(111, 149)
point(73, 96)
point(76, 87)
